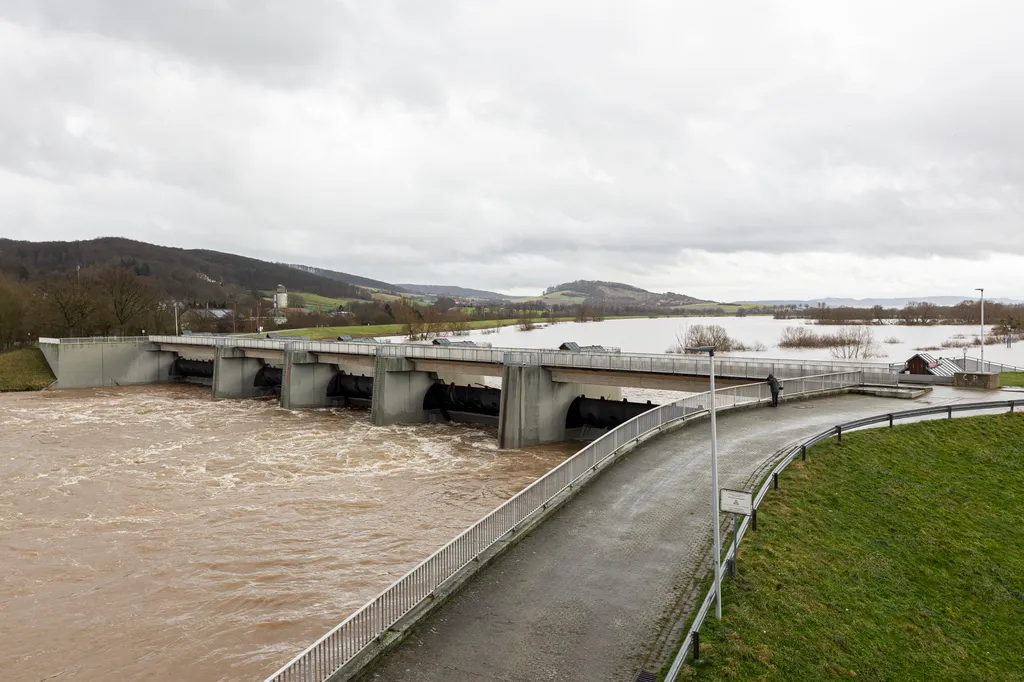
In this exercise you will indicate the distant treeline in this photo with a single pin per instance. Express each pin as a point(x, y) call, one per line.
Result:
point(1008, 317)
point(87, 302)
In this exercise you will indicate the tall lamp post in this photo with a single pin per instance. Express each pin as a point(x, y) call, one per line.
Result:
point(710, 350)
point(982, 290)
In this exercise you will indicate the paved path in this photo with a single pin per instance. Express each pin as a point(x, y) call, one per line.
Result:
point(592, 594)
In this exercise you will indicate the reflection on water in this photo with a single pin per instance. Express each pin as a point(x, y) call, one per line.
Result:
point(149, 533)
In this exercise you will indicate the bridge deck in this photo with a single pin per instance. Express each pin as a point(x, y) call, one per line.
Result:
point(587, 595)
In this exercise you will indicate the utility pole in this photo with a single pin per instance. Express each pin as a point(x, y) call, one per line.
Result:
point(982, 290)
point(710, 350)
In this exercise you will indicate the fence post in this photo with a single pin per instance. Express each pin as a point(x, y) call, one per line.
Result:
point(775, 480)
point(696, 645)
point(803, 453)
point(839, 433)
point(890, 421)
point(949, 411)
point(753, 520)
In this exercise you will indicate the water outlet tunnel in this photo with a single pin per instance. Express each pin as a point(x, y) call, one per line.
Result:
point(603, 414)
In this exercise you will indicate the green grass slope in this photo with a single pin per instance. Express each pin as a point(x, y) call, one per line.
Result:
point(895, 555)
point(24, 370)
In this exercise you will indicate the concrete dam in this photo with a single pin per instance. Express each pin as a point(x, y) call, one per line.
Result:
point(545, 396)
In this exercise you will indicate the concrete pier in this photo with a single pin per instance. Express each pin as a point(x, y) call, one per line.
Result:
point(398, 392)
point(234, 373)
point(533, 407)
point(305, 380)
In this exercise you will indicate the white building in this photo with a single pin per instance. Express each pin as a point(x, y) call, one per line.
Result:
point(281, 298)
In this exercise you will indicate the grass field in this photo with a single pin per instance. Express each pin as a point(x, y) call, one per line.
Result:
point(1012, 378)
point(317, 301)
point(24, 370)
point(563, 297)
point(895, 555)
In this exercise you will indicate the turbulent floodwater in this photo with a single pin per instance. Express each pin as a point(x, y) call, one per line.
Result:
point(150, 533)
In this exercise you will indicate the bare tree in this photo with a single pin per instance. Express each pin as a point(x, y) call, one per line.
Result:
point(72, 301)
point(127, 295)
point(699, 335)
point(14, 309)
point(854, 343)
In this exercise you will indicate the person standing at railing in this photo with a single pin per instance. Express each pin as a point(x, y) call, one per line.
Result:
point(774, 386)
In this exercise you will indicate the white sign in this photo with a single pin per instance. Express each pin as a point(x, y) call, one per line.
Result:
point(736, 502)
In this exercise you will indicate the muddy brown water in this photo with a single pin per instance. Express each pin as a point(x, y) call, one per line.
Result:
point(150, 533)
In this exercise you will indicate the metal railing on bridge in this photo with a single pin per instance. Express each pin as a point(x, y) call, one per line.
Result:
point(81, 340)
point(970, 364)
point(342, 643)
point(740, 367)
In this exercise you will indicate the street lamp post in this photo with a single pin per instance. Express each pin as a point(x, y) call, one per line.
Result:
point(175, 317)
point(982, 290)
point(710, 350)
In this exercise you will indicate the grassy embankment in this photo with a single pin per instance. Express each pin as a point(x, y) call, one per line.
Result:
point(24, 370)
point(892, 556)
point(1012, 378)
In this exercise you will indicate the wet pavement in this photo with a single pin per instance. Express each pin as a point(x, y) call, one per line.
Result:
point(597, 591)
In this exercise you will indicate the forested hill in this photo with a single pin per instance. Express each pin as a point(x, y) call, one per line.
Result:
point(351, 279)
point(451, 290)
point(186, 274)
point(596, 291)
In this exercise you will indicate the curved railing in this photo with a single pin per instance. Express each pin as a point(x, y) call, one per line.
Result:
point(691, 642)
point(364, 627)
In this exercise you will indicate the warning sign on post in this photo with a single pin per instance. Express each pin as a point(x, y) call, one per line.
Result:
point(736, 502)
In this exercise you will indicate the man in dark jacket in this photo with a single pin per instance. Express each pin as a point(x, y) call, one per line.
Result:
point(774, 386)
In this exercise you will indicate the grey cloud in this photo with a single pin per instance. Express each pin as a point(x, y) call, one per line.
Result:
point(489, 136)
point(282, 42)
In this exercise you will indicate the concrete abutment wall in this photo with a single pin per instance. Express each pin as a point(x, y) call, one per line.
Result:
point(91, 365)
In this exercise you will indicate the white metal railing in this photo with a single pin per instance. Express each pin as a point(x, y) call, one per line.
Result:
point(970, 364)
point(691, 642)
point(341, 644)
point(624, 362)
point(95, 339)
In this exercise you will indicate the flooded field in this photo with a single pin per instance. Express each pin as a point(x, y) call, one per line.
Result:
point(150, 533)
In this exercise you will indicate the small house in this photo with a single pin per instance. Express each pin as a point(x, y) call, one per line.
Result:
point(923, 363)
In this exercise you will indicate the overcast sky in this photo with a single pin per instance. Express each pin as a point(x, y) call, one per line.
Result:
point(736, 149)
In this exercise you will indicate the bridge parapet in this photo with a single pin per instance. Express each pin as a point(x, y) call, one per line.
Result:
point(726, 366)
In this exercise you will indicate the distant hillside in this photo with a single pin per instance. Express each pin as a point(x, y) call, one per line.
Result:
point(461, 292)
point(185, 274)
point(595, 291)
point(884, 302)
point(350, 279)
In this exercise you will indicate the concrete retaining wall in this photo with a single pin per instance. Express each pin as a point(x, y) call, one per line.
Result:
point(107, 364)
point(986, 380)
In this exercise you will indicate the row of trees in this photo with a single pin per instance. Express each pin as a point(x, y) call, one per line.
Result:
point(104, 301)
point(1011, 317)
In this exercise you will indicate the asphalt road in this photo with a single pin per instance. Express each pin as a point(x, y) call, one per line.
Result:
point(594, 593)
